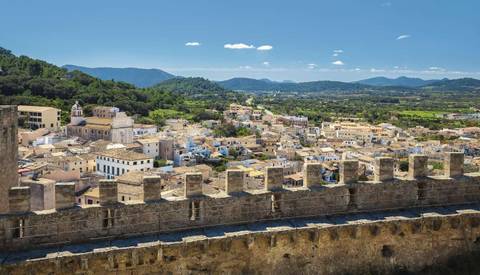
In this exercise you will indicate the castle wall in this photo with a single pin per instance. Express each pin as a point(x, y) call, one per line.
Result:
point(386, 246)
point(8, 153)
point(112, 220)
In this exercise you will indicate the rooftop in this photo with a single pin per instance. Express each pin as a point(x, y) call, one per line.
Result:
point(123, 155)
point(27, 108)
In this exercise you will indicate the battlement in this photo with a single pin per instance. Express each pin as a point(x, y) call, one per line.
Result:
point(70, 223)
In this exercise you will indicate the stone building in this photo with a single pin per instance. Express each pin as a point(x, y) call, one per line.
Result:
point(8, 153)
point(108, 123)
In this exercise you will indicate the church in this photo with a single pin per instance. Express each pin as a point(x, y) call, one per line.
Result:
point(107, 123)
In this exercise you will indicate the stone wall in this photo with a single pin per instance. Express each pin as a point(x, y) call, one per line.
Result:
point(8, 153)
point(113, 220)
point(387, 244)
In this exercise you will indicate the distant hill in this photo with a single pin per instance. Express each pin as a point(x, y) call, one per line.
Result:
point(460, 84)
point(252, 85)
point(192, 86)
point(400, 81)
point(139, 77)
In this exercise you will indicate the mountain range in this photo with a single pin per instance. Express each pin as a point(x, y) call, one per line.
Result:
point(377, 83)
point(402, 81)
point(136, 76)
point(150, 77)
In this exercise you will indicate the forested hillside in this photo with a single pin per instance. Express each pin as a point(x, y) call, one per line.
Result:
point(24, 80)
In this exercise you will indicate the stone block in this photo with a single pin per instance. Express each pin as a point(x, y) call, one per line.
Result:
point(348, 171)
point(417, 166)
point(64, 195)
point(273, 178)
point(234, 180)
point(193, 185)
point(108, 192)
point(19, 199)
point(383, 169)
point(152, 186)
point(453, 164)
point(312, 175)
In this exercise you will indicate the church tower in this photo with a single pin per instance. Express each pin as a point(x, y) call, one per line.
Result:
point(76, 114)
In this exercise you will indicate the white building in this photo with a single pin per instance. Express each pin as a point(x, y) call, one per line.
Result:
point(113, 163)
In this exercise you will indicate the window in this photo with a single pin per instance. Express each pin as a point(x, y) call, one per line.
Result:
point(194, 210)
point(89, 201)
point(123, 198)
point(19, 229)
point(108, 218)
point(276, 202)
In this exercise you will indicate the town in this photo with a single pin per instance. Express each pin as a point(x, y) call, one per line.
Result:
point(109, 145)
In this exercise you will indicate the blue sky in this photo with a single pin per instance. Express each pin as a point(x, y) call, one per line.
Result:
point(302, 40)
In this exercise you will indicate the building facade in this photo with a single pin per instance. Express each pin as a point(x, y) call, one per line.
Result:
point(114, 163)
point(35, 117)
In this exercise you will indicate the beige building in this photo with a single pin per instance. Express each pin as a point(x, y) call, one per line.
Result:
point(108, 123)
point(35, 117)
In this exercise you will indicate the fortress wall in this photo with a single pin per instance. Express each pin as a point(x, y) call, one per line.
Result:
point(367, 247)
point(22, 229)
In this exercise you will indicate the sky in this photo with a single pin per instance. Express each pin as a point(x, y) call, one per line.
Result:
point(299, 40)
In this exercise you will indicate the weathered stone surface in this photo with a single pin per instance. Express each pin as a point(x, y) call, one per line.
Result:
point(453, 164)
point(383, 169)
point(382, 244)
point(348, 171)
point(8, 153)
point(108, 192)
point(234, 181)
point(193, 185)
point(312, 175)
point(273, 178)
point(152, 186)
point(19, 199)
point(417, 166)
point(64, 195)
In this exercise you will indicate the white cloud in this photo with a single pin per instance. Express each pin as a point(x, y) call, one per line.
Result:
point(192, 44)
point(403, 36)
point(338, 51)
point(373, 70)
point(245, 67)
point(266, 63)
point(238, 46)
point(335, 54)
point(357, 69)
point(338, 62)
point(396, 67)
point(312, 66)
point(433, 68)
point(265, 48)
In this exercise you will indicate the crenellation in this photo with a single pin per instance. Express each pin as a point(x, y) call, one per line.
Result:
point(19, 199)
point(384, 169)
point(312, 175)
point(193, 185)
point(348, 171)
point(234, 181)
point(108, 192)
point(273, 178)
point(64, 195)
point(453, 164)
point(417, 166)
point(152, 186)
point(112, 220)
